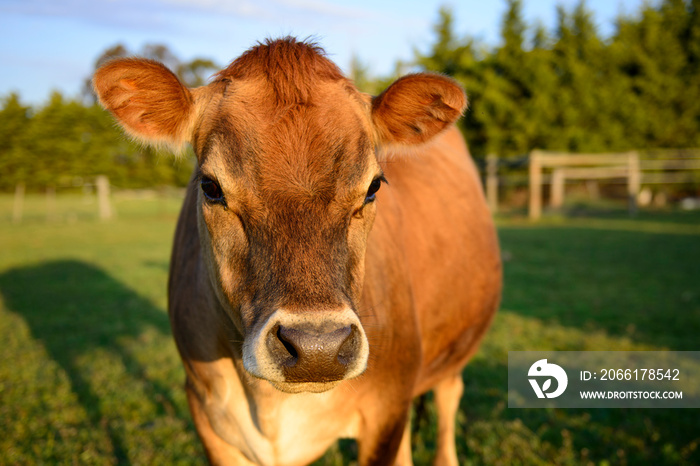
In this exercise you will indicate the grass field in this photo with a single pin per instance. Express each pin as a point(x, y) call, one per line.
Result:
point(89, 373)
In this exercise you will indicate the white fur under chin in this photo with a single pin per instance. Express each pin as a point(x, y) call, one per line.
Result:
point(305, 387)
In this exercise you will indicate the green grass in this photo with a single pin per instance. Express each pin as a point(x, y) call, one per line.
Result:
point(89, 373)
point(588, 284)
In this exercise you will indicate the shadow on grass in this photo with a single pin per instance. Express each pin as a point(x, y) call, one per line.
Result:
point(491, 433)
point(573, 286)
point(635, 284)
point(76, 311)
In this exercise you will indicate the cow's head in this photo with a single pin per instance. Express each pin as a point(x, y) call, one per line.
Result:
point(289, 163)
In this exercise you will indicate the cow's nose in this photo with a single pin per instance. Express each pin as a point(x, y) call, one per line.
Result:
point(313, 355)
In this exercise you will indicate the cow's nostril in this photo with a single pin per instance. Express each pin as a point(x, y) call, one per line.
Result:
point(311, 354)
point(281, 350)
point(288, 345)
point(348, 349)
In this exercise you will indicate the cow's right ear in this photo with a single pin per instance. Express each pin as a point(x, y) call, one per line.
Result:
point(416, 108)
point(147, 100)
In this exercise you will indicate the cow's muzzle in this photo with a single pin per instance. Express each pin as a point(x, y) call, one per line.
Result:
point(308, 354)
point(307, 349)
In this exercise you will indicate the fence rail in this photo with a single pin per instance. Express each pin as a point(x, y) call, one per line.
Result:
point(660, 166)
point(105, 211)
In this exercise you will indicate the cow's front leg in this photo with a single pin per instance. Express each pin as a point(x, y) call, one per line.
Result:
point(217, 450)
point(448, 393)
point(382, 433)
point(405, 455)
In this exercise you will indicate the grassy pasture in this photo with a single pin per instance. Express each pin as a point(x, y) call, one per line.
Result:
point(89, 373)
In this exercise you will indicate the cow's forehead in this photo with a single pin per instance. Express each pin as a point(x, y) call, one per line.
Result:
point(285, 122)
point(317, 149)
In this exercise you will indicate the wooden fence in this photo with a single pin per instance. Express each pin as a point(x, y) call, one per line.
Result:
point(102, 188)
point(580, 166)
point(556, 168)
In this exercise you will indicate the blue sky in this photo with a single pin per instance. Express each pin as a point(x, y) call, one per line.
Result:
point(52, 44)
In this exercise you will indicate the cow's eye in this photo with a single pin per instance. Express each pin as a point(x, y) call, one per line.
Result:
point(212, 190)
point(373, 188)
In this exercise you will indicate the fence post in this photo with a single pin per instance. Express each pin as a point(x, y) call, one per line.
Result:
point(492, 182)
point(18, 204)
point(556, 199)
point(634, 180)
point(51, 214)
point(103, 201)
point(535, 208)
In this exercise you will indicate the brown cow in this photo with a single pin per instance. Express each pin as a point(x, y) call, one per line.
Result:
point(306, 305)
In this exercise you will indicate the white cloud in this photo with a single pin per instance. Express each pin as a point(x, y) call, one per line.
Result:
point(162, 14)
point(324, 8)
point(241, 8)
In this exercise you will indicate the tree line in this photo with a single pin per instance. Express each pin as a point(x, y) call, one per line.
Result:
point(572, 90)
point(568, 89)
point(66, 142)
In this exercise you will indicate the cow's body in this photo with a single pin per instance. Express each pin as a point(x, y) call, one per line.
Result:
point(430, 285)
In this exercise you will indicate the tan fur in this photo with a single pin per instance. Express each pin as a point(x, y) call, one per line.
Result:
point(409, 282)
point(147, 99)
point(416, 108)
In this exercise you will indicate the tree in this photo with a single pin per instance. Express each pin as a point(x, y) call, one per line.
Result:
point(459, 58)
point(196, 72)
point(14, 120)
point(657, 60)
point(509, 90)
point(579, 61)
point(116, 51)
point(449, 54)
point(359, 73)
point(568, 89)
point(574, 91)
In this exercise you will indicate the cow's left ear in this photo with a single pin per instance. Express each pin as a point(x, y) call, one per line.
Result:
point(416, 108)
point(148, 100)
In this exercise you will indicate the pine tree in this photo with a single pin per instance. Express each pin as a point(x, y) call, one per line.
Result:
point(460, 59)
point(14, 120)
point(656, 56)
point(510, 89)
